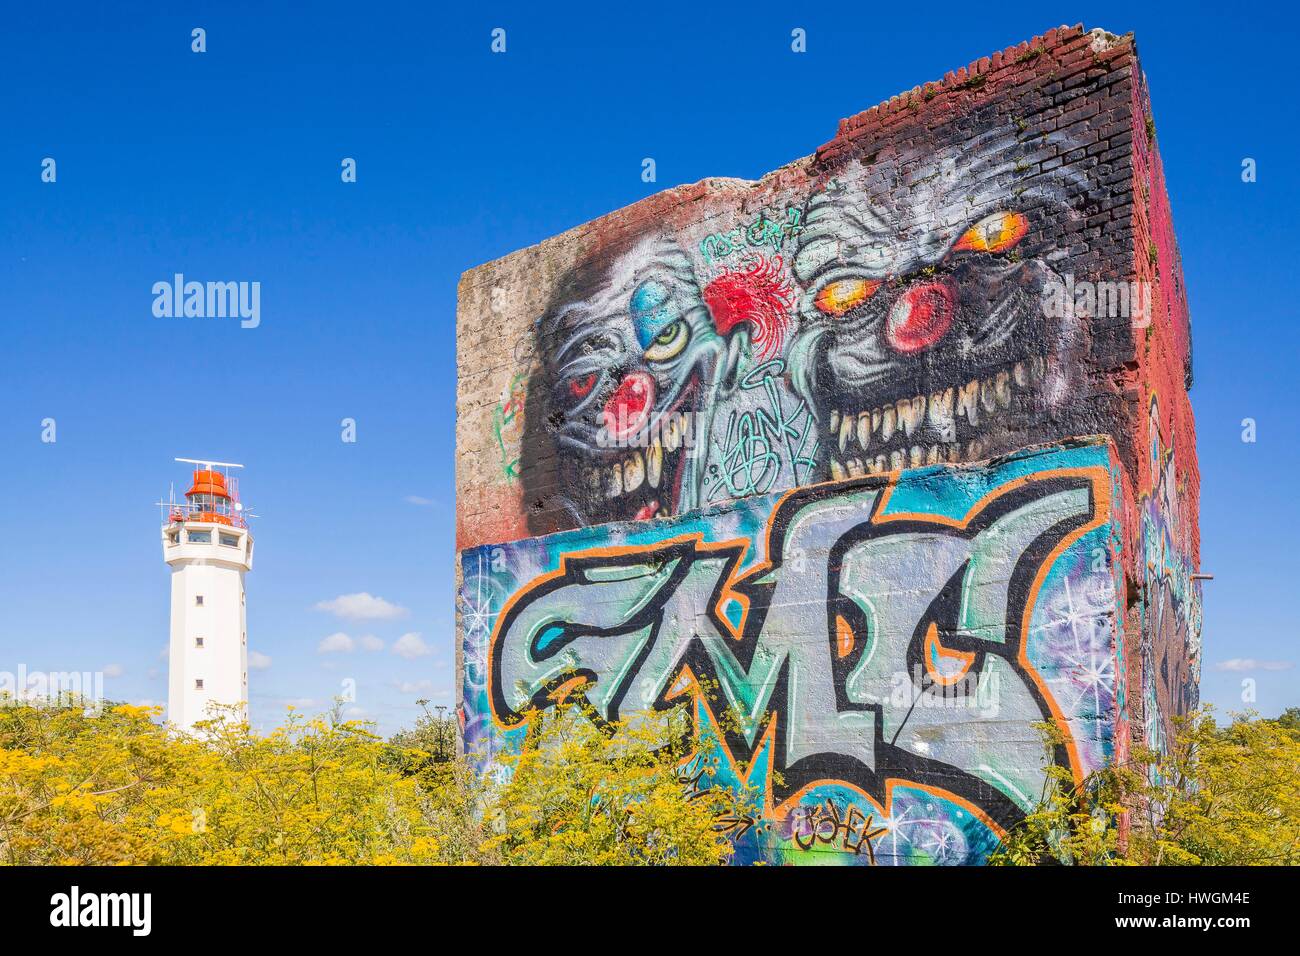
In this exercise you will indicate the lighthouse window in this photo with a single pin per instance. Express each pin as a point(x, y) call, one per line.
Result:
point(198, 642)
point(199, 537)
point(198, 600)
point(230, 540)
point(198, 684)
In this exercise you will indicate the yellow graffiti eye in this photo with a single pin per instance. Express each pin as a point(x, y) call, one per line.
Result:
point(669, 343)
point(839, 298)
point(995, 233)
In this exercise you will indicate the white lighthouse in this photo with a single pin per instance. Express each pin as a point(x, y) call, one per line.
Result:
point(209, 548)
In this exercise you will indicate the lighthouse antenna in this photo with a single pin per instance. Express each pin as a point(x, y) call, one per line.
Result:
point(209, 464)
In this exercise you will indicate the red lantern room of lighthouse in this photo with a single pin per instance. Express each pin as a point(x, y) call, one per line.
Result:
point(212, 498)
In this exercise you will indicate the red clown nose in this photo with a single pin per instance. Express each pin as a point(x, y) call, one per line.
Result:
point(629, 407)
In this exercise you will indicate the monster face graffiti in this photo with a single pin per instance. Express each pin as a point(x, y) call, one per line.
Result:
point(922, 332)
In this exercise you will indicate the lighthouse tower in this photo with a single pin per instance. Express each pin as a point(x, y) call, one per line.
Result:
point(207, 544)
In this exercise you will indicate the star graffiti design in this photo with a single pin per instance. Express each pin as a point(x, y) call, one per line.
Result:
point(1092, 677)
point(1088, 671)
point(940, 844)
point(479, 602)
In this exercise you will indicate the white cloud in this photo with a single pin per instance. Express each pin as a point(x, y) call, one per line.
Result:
point(300, 703)
point(152, 673)
point(371, 643)
point(165, 653)
point(258, 661)
point(113, 670)
point(336, 643)
point(1251, 664)
point(362, 607)
point(419, 500)
point(410, 646)
point(413, 686)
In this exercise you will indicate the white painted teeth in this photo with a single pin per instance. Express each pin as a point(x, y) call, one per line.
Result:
point(911, 412)
point(1002, 389)
point(988, 396)
point(654, 463)
point(933, 417)
point(629, 474)
point(672, 433)
point(633, 472)
point(887, 422)
point(941, 419)
point(915, 457)
point(968, 401)
point(995, 392)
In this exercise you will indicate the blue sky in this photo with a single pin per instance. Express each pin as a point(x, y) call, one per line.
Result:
point(225, 165)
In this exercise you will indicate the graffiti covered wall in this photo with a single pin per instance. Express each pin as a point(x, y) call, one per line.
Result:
point(980, 266)
point(887, 645)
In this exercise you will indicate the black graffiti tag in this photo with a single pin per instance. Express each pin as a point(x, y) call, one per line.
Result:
point(853, 673)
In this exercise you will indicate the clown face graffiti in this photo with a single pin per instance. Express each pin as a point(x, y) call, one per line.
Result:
point(666, 394)
point(921, 324)
point(631, 355)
